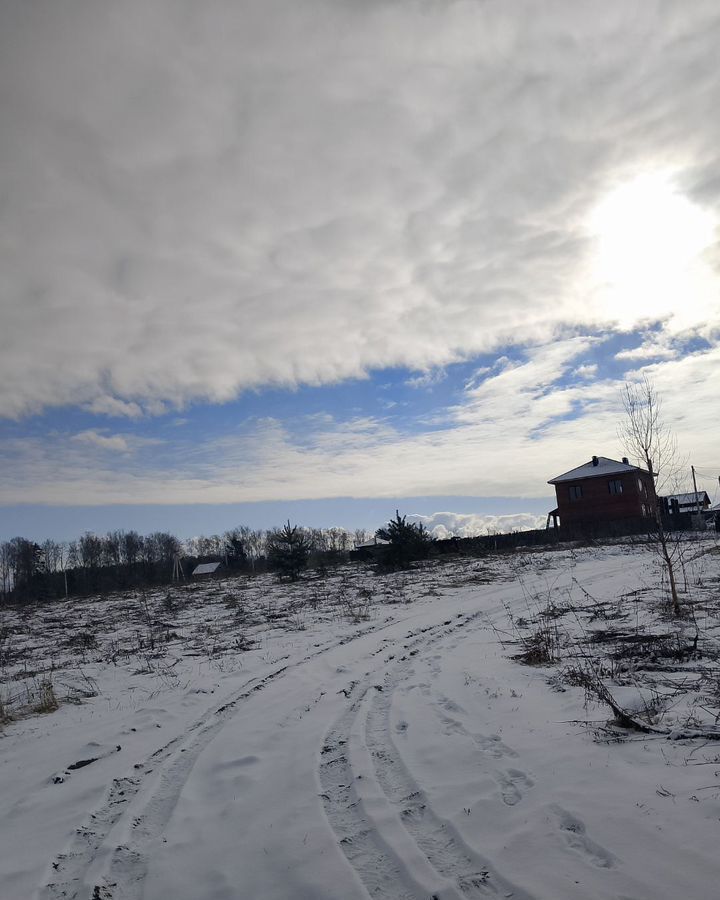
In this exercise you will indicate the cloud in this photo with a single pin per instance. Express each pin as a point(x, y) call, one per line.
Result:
point(103, 441)
point(587, 370)
point(520, 426)
point(427, 379)
point(122, 443)
point(112, 406)
point(448, 524)
point(196, 204)
point(651, 349)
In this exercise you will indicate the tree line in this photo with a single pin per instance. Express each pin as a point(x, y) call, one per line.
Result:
point(119, 560)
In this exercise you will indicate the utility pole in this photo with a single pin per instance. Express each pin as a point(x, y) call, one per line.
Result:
point(697, 497)
point(177, 568)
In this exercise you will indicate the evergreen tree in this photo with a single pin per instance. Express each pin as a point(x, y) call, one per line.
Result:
point(288, 549)
point(408, 541)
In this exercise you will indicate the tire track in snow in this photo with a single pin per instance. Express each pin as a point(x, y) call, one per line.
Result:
point(173, 761)
point(385, 827)
point(382, 870)
point(472, 875)
point(125, 872)
point(357, 837)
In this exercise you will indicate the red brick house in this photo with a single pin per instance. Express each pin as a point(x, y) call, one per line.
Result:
point(603, 490)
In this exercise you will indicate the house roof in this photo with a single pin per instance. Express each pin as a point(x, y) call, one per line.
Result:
point(206, 568)
point(691, 499)
point(376, 542)
point(605, 466)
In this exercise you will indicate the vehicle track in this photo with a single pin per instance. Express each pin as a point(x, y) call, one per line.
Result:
point(93, 867)
point(473, 875)
point(385, 827)
point(358, 839)
point(163, 774)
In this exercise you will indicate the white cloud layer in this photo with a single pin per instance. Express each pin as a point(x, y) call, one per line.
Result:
point(196, 200)
point(515, 429)
point(103, 441)
point(444, 525)
point(120, 443)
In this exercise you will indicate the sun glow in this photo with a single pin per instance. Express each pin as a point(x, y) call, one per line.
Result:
point(648, 261)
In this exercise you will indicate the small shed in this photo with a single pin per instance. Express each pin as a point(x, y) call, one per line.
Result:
point(714, 514)
point(370, 549)
point(206, 569)
point(695, 501)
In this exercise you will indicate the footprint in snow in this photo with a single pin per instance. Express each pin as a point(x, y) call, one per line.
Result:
point(450, 705)
point(452, 726)
point(434, 665)
point(574, 832)
point(239, 763)
point(493, 745)
point(509, 782)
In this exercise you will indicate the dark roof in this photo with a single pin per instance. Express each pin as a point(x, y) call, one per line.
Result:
point(604, 466)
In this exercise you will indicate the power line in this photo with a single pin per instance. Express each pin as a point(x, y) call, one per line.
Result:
point(708, 474)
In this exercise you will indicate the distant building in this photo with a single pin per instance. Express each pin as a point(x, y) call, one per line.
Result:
point(603, 491)
point(695, 501)
point(714, 513)
point(375, 542)
point(369, 549)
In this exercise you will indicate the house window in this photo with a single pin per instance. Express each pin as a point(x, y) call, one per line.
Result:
point(641, 485)
point(575, 491)
point(615, 486)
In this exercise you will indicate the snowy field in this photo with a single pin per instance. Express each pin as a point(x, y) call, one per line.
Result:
point(356, 735)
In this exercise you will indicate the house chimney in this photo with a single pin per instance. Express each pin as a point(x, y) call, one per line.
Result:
point(595, 460)
point(625, 460)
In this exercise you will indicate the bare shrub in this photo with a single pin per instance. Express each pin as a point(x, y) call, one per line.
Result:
point(83, 640)
point(540, 647)
point(41, 696)
point(5, 716)
point(590, 676)
point(170, 603)
point(6, 648)
point(538, 634)
point(152, 632)
point(357, 605)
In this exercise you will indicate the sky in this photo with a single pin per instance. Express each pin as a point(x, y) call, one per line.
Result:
point(263, 259)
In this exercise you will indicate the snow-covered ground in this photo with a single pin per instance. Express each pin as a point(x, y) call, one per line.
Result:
point(360, 734)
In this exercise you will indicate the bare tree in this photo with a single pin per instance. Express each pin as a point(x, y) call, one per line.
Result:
point(5, 569)
point(209, 546)
point(63, 559)
point(112, 548)
point(338, 539)
point(91, 550)
point(130, 548)
point(254, 543)
point(648, 439)
point(361, 536)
